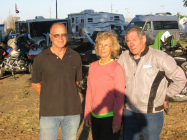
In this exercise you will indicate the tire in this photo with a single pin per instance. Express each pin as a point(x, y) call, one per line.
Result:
point(1, 72)
point(43, 44)
point(30, 68)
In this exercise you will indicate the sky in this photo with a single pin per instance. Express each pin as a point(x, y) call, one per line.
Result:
point(29, 9)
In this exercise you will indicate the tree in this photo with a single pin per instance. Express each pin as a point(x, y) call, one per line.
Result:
point(180, 16)
point(185, 3)
point(10, 22)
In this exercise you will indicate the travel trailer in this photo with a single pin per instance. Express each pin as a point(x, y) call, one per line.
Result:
point(37, 28)
point(152, 24)
point(89, 22)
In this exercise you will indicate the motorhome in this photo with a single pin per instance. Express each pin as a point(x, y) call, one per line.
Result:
point(152, 24)
point(89, 21)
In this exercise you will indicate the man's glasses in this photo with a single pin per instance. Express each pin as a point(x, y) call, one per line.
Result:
point(58, 35)
point(104, 46)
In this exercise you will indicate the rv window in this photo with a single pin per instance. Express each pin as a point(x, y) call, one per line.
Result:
point(140, 24)
point(82, 20)
point(77, 20)
point(77, 28)
point(116, 18)
point(159, 25)
point(90, 19)
point(72, 20)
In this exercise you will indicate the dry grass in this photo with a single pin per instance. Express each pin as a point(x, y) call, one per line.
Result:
point(19, 119)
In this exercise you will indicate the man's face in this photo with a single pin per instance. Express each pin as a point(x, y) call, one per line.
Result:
point(135, 44)
point(58, 36)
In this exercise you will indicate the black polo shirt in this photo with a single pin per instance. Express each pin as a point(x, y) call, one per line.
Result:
point(59, 94)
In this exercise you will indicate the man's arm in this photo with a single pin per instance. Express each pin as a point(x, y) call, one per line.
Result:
point(175, 74)
point(37, 87)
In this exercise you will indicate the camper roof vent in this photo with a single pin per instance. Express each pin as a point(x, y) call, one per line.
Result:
point(39, 17)
point(163, 14)
point(88, 11)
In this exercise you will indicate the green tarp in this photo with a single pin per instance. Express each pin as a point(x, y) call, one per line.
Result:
point(157, 42)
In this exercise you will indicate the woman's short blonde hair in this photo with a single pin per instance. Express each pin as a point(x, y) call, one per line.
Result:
point(113, 37)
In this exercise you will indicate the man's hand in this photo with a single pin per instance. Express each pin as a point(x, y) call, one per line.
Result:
point(165, 104)
point(116, 128)
point(37, 87)
point(87, 123)
point(166, 107)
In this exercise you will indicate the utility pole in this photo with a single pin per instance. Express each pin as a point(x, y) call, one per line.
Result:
point(56, 10)
point(163, 6)
point(50, 12)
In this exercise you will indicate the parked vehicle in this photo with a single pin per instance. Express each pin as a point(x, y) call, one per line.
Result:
point(37, 28)
point(19, 56)
point(153, 24)
point(89, 21)
point(182, 62)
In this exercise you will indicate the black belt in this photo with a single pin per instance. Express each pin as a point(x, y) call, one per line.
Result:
point(159, 108)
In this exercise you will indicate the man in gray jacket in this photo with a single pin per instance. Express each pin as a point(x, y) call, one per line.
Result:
point(151, 77)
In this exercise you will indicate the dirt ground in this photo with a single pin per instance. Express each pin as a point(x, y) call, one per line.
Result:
point(19, 107)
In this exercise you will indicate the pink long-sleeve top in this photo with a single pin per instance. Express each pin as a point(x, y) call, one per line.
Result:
point(105, 90)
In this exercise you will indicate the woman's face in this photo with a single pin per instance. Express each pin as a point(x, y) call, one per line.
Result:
point(105, 48)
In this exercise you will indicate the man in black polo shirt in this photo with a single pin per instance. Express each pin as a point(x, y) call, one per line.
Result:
point(56, 75)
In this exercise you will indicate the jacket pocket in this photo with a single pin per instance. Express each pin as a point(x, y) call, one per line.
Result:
point(150, 71)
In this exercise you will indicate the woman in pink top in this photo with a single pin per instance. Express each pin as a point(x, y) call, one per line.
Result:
point(105, 90)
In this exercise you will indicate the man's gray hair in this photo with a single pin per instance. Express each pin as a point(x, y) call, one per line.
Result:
point(137, 29)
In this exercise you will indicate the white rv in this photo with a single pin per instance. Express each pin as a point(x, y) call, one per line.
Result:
point(89, 21)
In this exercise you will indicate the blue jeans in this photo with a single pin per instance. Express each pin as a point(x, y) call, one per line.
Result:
point(150, 125)
point(49, 127)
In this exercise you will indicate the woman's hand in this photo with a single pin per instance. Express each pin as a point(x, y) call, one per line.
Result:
point(116, 128)
point(87, 123)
